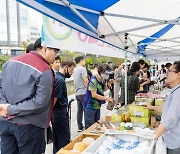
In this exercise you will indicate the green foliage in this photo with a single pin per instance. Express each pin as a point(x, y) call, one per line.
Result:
point(90, 59)
point(102, 60)
point(116, 60)
point(66, 54)
point(3, 59)
point(24, 44)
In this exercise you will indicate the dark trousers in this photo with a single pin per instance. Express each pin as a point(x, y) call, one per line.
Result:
point(21, 139)
point(173, 151)
point(91, 116)
point(61, 130)
point(80, 99)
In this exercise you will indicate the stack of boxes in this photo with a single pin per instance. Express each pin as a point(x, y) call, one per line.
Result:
point(140, 115)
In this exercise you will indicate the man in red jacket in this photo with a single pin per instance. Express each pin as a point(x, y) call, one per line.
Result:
point(26, 100)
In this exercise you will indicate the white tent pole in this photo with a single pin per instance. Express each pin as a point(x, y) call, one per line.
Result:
point(80, 15)
point(173, 38)
point(170, 40)
point(161, 51)
point(134, 29)
point(126, 47)
point(162, 47)
point(143, 27)
point(113, 29)
point(174, 46)
point(144, 19)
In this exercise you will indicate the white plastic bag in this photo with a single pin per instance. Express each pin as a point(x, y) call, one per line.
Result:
point(160, 147)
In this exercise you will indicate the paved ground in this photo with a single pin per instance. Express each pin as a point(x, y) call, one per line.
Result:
point(74, 132)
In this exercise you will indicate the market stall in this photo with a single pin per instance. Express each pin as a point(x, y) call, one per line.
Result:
point(127, 130)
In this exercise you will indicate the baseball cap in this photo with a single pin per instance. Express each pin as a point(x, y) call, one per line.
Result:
point(105, 68)
point(38, 44)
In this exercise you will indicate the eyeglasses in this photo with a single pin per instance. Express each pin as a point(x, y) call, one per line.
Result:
point(172, 71)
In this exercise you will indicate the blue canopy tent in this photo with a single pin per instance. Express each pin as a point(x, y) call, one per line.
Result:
point(144, 43)
point(110, 20)
point(121, 23)
point(84, 16)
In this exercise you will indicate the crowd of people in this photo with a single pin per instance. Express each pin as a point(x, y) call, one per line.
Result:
point(33, 96)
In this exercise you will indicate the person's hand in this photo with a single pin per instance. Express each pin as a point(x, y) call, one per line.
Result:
point(3, 109)
point(141, 84)
point(3, 113)
point(111, 81)
point(109, 99)
point(147, 106)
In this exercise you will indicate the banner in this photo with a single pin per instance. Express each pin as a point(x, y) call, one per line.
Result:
point(58, 35)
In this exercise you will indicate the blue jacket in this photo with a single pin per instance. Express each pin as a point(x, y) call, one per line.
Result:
point(27, 84)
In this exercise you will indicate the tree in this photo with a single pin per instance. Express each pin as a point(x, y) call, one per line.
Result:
point(3, 59)
point(66, 54)
point(25, 44)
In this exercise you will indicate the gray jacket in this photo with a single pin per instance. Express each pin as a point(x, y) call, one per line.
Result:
point(27, 84)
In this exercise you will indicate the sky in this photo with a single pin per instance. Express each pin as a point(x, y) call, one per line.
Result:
point(36, 17)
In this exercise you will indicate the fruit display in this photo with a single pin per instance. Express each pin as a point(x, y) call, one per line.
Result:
point(125, 117)
point(88, 140)
point(80, 146)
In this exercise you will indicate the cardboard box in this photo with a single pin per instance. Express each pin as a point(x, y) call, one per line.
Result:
point(116, 118)
point(138, 111)
point(140, 122)
point(67, 148)
point(153, 122)
point(148, 100)
point(159, 102)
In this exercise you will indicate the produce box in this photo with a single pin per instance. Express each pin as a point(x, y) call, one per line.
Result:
point(159, 102)
point(140, 122)
point(111, 143)
point(116, 118)
point(139, 111)
point(148, 100)
point(67, 148)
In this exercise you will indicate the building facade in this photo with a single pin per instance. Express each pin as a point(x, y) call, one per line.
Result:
point(34, 33)
point(15, 27)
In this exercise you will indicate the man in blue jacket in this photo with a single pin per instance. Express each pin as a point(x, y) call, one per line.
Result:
point(26, 100)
